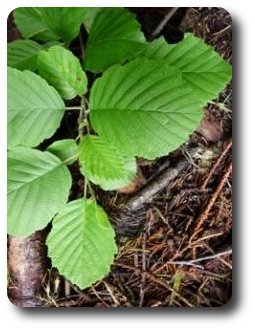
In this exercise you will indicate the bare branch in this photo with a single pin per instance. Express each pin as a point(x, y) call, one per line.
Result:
point(131, 217)
point(160, 182)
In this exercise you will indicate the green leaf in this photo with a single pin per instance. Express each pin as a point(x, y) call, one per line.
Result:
point(104, 165)
point(49, 44)
point(81, 243)
point(114, 37)
point(29, 22)
point(38, 187)
point(63, 71)
point(65, 150)
point(35, 109)
point(202, 68)
point(64, 21)
point(91, 14)
point(22, 54)
point(144, 108)
point(49, 23)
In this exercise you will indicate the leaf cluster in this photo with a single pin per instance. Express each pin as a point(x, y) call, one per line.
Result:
point(145, 101)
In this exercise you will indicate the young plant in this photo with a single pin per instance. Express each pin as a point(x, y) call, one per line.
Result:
point(145, 102)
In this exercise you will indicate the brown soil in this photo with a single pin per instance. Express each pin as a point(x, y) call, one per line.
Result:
point(165, 264)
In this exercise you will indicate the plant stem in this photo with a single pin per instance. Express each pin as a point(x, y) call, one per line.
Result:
point(71, 159)
point(84, 106)
point(85, 189)
point(91, 191)
point(77, 108)
point(82, 118)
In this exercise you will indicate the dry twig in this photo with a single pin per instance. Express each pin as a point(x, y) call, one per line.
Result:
point(204, 216)
point(217, 163)
point(193, 262)
point(154, 279)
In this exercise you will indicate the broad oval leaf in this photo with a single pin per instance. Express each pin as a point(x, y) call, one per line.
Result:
point(29, 22)
point(81, 243)
point(114, 37)
point(91, 14)
point(38, 187)
point(104, 165)
point(63, 71)
point(144, 108)
point(22, 54)
point(66, 150)
point(35, 109)
point(64, 21)
point(49, 23)
point(206, 72)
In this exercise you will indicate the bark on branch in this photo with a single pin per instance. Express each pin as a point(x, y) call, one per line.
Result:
point(130, 219)
point(27, 267)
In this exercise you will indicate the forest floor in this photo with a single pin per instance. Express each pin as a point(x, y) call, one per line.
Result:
point(182, 254)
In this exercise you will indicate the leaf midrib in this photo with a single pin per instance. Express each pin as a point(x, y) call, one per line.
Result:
point(35, 179)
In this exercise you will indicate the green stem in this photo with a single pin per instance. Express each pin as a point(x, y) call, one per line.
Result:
point(92, 193)
point(85, 188)
point(84, 106)
point(82, 118)
point(71, 159)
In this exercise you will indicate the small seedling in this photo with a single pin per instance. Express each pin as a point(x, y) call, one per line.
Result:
point(145, 101)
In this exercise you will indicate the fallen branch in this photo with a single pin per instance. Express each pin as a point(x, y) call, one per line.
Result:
point(159, 183)
point(26, 267)
point(131, 217)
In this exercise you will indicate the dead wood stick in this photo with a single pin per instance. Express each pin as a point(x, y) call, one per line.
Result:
point(27, 267)
point(131, 217)
point(204, 216)
point(164, 21)
point(159, 183)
